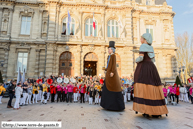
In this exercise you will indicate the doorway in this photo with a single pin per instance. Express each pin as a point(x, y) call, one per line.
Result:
point(66, 64)
point(90, 64)
point(90, 68)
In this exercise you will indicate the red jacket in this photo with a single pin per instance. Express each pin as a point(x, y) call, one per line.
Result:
point(84, 88)
point(75, 89)
point(52, 89)
point(177, 91)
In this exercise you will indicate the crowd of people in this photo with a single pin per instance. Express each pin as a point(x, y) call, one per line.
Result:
point(81, 89)
point(76, 89)
point(175, 93)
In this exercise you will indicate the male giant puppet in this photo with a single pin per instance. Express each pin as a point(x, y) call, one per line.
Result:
point(112, 98)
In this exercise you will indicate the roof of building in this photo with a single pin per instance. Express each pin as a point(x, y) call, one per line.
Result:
point(157, 2)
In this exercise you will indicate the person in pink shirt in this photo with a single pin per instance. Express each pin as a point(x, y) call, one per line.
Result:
point(58, 91)
point(165, 91)
point(191, 93)
point(82, 88)
point(70, 88)
point(64, 93)
point(172, 92)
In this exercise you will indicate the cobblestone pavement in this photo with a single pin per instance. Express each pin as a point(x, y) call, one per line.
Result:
point(85, 116)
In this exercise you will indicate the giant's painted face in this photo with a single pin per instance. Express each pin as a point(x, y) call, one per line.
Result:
point(110, 51)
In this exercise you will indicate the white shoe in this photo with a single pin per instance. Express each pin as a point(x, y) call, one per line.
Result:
point(0, 102)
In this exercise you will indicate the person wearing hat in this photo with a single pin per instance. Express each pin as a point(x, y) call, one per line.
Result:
point(112, 98)
point(148, 94)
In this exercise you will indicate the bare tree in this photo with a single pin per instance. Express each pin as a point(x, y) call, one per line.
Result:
point(184, 54)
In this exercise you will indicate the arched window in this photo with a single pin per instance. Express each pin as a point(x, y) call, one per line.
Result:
point(68, 30)
point(112, 28)
point(89, 28)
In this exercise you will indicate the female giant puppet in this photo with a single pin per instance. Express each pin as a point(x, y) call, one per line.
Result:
point(148, 93)
point(112, 98)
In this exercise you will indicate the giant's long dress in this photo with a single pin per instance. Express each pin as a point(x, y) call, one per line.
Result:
point(148, 93)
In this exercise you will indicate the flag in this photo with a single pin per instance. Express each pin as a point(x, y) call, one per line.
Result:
point(23, 77)
point(94, 26)
point(18, 76)
point(69, 21)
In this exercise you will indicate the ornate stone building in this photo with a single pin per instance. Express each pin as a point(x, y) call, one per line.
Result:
point(35, 35)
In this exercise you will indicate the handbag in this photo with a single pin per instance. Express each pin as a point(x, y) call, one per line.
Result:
point(21, 95)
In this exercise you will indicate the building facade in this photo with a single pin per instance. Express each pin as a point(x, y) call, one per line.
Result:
point(57, 37)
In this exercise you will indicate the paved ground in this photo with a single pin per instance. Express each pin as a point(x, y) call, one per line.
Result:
point(85, 116)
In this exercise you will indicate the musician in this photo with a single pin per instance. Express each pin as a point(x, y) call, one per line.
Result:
point(35, 92)
point(40, 90)
point(177, 92)
point(75, 93)
point(52, 92)
point(45, 88)
point(82, 89)
point(30, 88)
point(48, 92)
point(64, 93)
point(191, 93)
point(91, 94)
point(70, 88)
point(2, 91)
point(25, 94)
point(129, 93)
point(58, 91)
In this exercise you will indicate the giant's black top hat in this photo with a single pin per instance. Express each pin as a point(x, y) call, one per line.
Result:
point(112, 44)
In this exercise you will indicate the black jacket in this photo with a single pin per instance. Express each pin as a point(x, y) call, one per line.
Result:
point(10, 88)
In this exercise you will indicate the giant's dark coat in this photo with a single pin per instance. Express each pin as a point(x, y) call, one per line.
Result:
point(112, 98)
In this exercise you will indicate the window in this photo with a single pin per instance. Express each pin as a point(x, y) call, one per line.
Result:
point(89, 27)
point(25, 25)
point(22, 61)
point(113, 29)
point(147, 2)
point(149, 29)
point(68, 30)
point(70, 64)
point(63, 64)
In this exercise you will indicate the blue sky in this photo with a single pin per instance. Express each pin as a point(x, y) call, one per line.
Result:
point(183, 20)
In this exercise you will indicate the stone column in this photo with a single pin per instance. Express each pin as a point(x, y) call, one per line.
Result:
point(81, 25)
point(37, 62)
point(1, 15)
point(52, 21)
point(40, 23)
point(54, 59)
point(81, 61)
point(49, 59)
point(128, 25)
point(57, 22)
point(77, 70)
point(10, 21)
point(4, 74)
point(103, 25)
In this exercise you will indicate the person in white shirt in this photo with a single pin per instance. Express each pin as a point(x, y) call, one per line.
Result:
point(18, 92)
point(29, 93)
